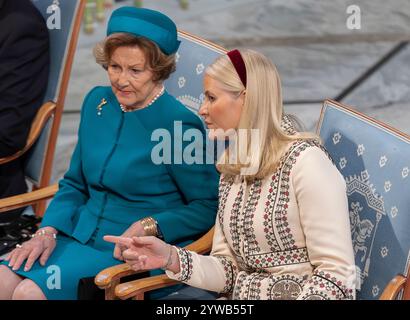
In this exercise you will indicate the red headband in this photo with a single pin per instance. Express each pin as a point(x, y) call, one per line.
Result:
point(239, 64)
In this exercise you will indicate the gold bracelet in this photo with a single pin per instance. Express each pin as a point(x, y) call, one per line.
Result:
point(150, 226)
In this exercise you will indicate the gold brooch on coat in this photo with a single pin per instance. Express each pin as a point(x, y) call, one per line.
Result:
point(100, 106)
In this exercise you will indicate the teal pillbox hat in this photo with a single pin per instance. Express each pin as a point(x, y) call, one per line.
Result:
point(146, 23)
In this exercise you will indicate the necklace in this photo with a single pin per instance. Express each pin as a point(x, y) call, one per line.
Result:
point(160, 93)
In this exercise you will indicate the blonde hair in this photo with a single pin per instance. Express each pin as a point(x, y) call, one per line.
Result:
point(262, 110)
point(161, 64)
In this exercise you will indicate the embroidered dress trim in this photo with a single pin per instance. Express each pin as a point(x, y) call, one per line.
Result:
point(185, 258)
point(278, 258)
point(231, 272)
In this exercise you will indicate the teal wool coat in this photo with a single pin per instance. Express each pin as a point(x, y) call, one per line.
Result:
point(112, 182)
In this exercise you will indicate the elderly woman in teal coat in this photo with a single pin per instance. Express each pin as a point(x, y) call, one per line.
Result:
point(115, 183)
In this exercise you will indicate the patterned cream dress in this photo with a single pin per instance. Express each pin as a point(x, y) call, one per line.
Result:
point(284, 237)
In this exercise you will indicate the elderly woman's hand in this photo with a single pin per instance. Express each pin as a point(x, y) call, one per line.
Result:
point(137, 230)
point(147, 253)
point(40, 246)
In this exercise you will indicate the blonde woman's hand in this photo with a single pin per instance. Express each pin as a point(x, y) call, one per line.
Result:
point(39, 247)
point(146, 253)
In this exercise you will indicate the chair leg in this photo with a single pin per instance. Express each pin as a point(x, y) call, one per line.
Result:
point(139, 297)
point(110, 291)
point(39, 208)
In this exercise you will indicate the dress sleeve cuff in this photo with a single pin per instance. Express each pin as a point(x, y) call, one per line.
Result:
point(186, 264)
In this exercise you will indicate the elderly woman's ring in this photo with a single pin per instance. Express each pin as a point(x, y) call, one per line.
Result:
point(18, 246)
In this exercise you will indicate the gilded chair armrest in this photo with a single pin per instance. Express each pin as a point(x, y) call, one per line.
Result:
point(393, 288)
point(40, 120)
point(105, 278)
point(29, 198)
point(137, 288)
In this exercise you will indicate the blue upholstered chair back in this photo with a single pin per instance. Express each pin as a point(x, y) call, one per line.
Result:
point(59, 44)
point(193, 56)
point(375, 162)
